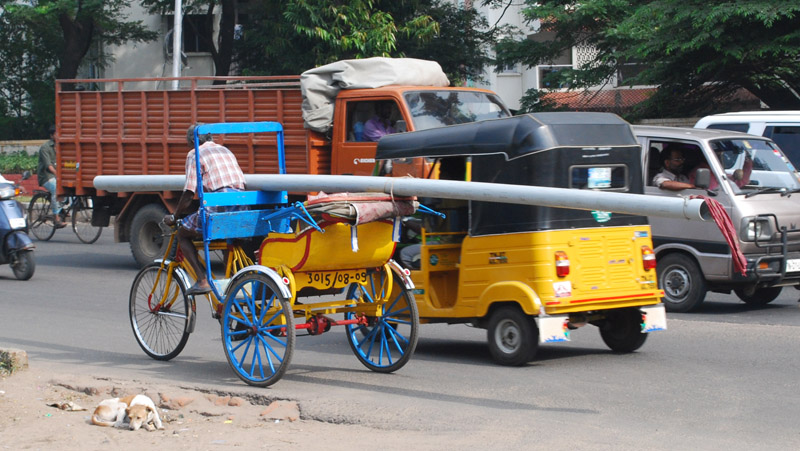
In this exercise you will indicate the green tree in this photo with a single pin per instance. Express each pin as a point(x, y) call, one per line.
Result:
point(288, 37)
point(462, 45)
point(693, 50)
point(284, 38)
point(50, 39)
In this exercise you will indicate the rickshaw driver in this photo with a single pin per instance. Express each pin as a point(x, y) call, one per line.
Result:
point(221, 172)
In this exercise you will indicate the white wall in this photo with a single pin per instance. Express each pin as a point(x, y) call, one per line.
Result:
point(149, 59)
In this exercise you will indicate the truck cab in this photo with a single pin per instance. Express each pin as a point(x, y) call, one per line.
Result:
point(413, 108)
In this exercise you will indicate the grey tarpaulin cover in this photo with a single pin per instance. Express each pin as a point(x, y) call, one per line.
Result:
point(321, 85)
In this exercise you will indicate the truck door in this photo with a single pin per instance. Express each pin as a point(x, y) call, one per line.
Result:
point(358, 131)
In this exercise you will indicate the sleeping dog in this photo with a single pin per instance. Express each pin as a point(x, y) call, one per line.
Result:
point(138, 410)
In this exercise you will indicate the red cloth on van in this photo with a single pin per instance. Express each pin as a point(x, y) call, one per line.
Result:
point(725, 225)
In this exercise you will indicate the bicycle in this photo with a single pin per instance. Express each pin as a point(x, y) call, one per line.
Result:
point(41, 221)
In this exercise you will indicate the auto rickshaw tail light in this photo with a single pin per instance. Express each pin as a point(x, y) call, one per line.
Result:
point(562, 264)
point(648, 258)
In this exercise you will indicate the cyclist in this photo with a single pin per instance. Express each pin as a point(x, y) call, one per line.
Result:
point(221, 172)
point(46, 171)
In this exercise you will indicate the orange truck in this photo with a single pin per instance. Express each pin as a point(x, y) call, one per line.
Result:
point(138, 127)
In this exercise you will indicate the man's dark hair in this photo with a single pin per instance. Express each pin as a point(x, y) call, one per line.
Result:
point(51, 129)
point(200, 138)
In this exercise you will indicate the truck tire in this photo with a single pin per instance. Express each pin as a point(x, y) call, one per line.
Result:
point(682, 281)
point(146, 238)
point(758, 297)
point(513, 336)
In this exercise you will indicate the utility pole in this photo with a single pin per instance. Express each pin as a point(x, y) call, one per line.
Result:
point(177, 38)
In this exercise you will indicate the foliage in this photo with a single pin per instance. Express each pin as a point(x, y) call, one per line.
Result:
point(462, 44)
point(284, 38)
point(694, 50)
point(7, 365)
point(49, 39)
point(18, 162)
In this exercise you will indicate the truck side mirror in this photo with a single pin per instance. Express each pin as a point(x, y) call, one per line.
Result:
point(702, 178)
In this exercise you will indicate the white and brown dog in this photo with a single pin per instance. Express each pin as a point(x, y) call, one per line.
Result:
point(134, 410)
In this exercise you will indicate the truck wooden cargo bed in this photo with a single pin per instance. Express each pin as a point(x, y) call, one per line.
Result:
point(138, 127)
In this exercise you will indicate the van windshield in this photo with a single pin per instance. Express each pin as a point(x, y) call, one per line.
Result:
point(433, 109)
point(753, 165)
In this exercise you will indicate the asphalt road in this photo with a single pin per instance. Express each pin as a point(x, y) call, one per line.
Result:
point(725, 377)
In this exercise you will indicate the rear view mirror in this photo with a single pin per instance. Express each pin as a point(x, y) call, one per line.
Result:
point(702, 178)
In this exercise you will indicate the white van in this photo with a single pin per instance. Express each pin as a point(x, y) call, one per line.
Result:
point(754, 182)
point(783, 127)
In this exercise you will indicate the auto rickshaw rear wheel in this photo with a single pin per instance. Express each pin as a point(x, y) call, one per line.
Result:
point(513, 336)
point(622, 330)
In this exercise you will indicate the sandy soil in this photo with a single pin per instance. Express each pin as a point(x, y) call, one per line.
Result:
point(192, 419)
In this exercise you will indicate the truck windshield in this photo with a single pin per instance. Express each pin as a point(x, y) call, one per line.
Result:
point(770, 168)
point(432, 109)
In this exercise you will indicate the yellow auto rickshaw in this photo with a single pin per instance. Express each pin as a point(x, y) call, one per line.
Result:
point(533, 274)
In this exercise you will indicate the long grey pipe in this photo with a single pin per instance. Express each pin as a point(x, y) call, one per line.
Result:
point(636, 204)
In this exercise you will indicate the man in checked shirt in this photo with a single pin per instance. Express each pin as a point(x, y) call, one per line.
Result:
point(221, 172)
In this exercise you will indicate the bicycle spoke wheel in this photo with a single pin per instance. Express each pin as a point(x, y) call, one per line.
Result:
point(386, 342)
point(160, 312)
point(82, 221)
point(258, 330)
point(40, 217)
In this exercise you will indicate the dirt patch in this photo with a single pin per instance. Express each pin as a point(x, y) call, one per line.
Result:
point(42, 411)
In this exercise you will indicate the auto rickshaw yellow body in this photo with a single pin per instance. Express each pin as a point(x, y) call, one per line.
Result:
point(531, 274)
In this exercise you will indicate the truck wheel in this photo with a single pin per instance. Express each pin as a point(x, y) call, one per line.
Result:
point(513, 336)
point(147, 239)
point(758, 297)
point(622, 330)
point(682, 281)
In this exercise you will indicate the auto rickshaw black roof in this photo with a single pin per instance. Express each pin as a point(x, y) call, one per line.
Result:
point(513, 137)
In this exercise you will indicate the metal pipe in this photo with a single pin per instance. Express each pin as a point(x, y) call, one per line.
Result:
point(635, 204)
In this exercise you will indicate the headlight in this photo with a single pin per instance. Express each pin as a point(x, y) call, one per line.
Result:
point(6, 192)
point(755, 227)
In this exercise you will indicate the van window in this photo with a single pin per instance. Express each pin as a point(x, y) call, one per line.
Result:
point(787, 137)
point(732, 127)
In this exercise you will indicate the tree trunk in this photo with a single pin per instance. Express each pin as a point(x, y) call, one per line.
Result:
point(778, 96)
point(224, 54)
point(77, 40)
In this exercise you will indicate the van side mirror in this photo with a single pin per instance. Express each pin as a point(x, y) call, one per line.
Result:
point(702, 178)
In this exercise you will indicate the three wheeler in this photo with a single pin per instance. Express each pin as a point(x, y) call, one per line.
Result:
point(533, 274)
point(339, 246)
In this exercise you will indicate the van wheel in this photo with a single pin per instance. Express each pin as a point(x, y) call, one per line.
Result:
point(622, 330)
point(758, 297)
point(513, 336)
point(682, 281)
point(147, 239)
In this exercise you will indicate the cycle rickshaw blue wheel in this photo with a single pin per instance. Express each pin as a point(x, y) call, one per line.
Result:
point(257, 330)
point(386, 342)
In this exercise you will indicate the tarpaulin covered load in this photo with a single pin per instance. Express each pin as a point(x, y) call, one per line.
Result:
point(321, 85)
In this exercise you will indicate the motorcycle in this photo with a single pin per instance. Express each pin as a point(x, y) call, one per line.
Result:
point(17, 247)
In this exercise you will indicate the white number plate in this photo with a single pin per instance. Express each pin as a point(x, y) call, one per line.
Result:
point(17, 223)
point(793, 265)
point(553, 329)
point(654, 318)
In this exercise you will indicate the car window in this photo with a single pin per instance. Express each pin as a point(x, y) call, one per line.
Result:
point(732, 127)
point(787, 137)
